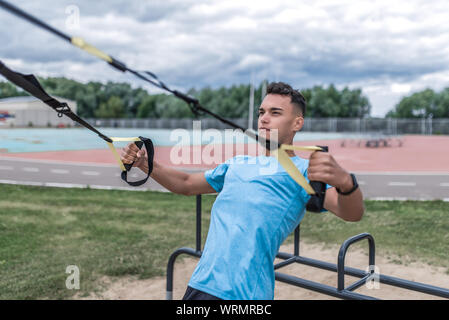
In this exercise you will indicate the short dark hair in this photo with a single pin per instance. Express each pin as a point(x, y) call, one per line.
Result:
point(286, 90)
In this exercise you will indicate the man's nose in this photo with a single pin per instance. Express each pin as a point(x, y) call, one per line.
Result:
point(264, 118)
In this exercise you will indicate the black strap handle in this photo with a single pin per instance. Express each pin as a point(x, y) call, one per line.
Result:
point(316, 201)
point(150, 152)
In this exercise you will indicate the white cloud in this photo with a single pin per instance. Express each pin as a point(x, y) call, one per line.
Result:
point(400, 88)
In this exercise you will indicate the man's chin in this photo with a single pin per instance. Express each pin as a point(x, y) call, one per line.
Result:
point(264, 134)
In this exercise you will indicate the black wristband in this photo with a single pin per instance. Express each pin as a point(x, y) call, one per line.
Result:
point(354, 187)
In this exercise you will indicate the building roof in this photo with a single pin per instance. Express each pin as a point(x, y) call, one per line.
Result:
point(18, 99)
point(23, 99)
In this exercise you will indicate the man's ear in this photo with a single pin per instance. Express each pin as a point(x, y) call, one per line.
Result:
point(298, 124)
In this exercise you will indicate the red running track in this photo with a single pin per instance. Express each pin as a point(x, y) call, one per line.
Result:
point(417, 154)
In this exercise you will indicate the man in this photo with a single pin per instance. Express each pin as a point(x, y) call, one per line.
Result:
point(255, 211)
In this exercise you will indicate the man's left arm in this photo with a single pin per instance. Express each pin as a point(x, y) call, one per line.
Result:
point(323, 167)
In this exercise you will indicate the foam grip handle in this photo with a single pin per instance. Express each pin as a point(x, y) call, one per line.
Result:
point(128, 166)
point(316, 201)
point(150, 152)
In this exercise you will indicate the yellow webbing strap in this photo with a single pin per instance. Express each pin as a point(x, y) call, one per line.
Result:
point(114, 151)
point(285, 161)
point(80, 43)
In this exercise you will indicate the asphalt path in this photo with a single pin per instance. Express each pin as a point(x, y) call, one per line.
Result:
point(374, 185)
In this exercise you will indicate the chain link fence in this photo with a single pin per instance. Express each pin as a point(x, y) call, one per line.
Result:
point(388, 126)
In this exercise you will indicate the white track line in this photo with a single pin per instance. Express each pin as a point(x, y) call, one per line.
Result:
point(90, 173)
point(444, 184)
point(60, 171)
point(404, 199)
point(402, 173)
point(29, 183)
point(29, 169)
point(62, 162)
point(6, 168)
point(388, 198)
point(73, 185)
point(401, 184)
point(64, 185)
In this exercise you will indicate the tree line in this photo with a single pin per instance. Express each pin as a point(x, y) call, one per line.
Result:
point(120, 100)
point(423, 104)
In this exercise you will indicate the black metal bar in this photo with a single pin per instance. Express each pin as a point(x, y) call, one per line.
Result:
point(414, 286)
point(322, 264)
point(330, 266)
point(198, 222)
point(285, 263)
point(321, 288)
point(188, 251)
point(358, 283)
point(296, 244)
point(171, 266)
point(384, 279)
point(342, 254)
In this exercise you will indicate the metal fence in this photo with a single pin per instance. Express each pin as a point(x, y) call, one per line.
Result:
point(367, 125)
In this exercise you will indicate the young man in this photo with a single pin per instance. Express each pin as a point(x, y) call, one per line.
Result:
point(255, 211)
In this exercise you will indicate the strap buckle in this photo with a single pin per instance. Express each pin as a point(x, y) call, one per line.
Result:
point(62, 109)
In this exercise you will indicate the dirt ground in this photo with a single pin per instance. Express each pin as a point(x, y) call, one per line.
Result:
point(130, 288)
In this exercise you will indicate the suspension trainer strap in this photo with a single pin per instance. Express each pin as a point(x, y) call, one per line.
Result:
point(30, 84)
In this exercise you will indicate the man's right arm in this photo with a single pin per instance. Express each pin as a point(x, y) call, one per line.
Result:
point(174, 180)
point(180, 182)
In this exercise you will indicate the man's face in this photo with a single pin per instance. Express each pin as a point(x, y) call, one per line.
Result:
point(278, 113)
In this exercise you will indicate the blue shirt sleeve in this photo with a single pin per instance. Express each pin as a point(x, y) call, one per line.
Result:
point(215, 177)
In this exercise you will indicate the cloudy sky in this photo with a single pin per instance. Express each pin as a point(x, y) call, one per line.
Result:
point(387, 48)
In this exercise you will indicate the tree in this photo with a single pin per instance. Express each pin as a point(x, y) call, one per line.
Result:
point(118, 100)
point(9, 90)
point(113, 108)
point(330, 102)
point(422, 104)
point(147, 107)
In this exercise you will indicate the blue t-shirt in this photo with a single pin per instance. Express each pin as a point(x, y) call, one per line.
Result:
point(257, 207)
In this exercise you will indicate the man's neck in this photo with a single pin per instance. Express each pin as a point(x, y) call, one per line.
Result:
point(290, 153)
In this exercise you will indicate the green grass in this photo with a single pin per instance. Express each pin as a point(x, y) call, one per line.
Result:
point(410, 230)
point(118, 233)
point(113, 233)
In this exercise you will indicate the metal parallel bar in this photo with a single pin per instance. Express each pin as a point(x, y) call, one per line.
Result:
point(171, 266)
point(322, 264)
point(198, 222)
point(389, 280)
point(414, 286)
point(342, 254)
point(321, 288)
point(296, 245)
point(285, 263)
point(358, 283)
point(189, 251)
